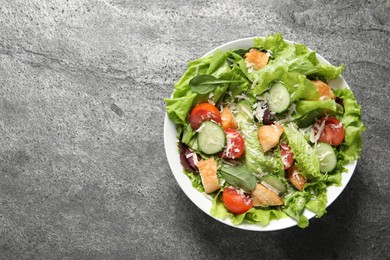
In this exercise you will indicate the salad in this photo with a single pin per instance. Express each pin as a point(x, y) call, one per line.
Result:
point(262, 133)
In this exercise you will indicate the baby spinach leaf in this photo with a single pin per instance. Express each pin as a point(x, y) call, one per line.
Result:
point(239, 176)
point(204, 83)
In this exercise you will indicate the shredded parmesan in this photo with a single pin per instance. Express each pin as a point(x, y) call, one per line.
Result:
point(259, 110)
point(242, 97)
point(231, 135)
point(296, 175)
point(200, 128)
point(322, 157)
point(230, 144)
point(284, 158)
point(194, 157)
point(211, 98)
point(333, 126)
point(260, 172)
point(270, 187)
point(319, 129)
point(250, 66)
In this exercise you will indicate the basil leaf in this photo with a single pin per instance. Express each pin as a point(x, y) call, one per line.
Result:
point(203, 84)
point(239, 176)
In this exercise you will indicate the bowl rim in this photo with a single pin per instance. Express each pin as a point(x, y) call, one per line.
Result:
point(201, 200)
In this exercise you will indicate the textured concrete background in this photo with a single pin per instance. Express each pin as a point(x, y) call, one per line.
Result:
point(83, 167)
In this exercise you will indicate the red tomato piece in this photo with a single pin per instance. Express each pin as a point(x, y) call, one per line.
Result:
point(235, 144)
point(204, 112)
point(331, 130)
point(287, 155)
point(235, 201)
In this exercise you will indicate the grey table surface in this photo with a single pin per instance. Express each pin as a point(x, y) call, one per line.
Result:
point(83, 167)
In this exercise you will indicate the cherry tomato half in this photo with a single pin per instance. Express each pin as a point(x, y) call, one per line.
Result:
point(235, 144)
point(287, 155)
point(332, 130)
point(203, 112)
point(235, 201)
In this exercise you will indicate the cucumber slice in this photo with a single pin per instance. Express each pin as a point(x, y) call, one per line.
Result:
point(211, 138)
point(326, 156)
point(278, 98)
point(275, 183)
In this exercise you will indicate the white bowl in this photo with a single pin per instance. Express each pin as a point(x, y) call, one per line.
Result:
point(172, 152)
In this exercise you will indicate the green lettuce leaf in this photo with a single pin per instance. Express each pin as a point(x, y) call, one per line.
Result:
point(295, 205)
point(239, 63)
point(188, 134)
point(218, 210)
point(264, 77)
point(353, 126)
point(178, 108)
point(326, 72)
point(219, 64)
point(274, 43)
point(299, 86)
point(316, 192)
point(303, 107)
point(304, 154)
point(195, 179)
point(179, 105)
point(263, 216)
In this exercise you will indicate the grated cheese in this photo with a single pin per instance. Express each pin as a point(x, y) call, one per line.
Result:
point(242, 96)
point(194, 157)
point(314, 137)
point(200, 128)
point(231, 135)
point(322, 157)
point(258, 111)
point(270, 187)
point(211, 98)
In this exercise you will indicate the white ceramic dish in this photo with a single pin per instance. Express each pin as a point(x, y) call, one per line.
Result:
point(172, 152)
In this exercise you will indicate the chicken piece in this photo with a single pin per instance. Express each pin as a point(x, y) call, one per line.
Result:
point(296, 179)
point(256, 59)
point(227, 119)
point(264, 197)
point(324, 90)
point(208, 174)
point(269, 136)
